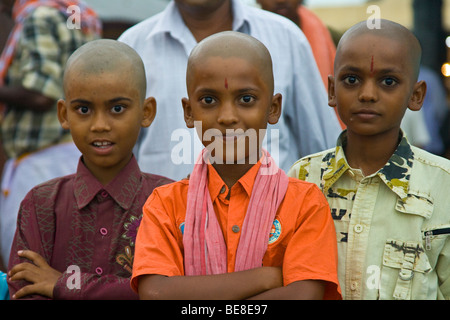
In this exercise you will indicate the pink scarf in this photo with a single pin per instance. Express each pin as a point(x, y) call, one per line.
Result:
point(205, 250)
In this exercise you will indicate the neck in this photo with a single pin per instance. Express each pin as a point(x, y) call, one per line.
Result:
point(370, 153)
point(295, 16)
point(105, 174)
point(205, 21)
point(231, 173)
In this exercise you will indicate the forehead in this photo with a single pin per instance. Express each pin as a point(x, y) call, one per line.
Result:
point(101, 84)
point(372, 47)
point(85, 69)
point(231, 68)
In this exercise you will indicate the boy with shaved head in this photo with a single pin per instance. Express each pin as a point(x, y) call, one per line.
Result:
point(388, 199)
point(75, 234)
point(239, 228)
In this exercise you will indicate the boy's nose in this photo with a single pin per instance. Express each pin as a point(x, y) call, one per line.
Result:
point(368, 92)
point(227, 114)
point(100, 123)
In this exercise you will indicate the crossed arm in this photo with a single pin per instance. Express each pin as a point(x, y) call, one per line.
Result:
point(36, 279)
point(42, 277)
point(258, 283)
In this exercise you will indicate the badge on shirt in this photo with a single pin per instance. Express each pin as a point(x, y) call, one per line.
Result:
point(275, 232)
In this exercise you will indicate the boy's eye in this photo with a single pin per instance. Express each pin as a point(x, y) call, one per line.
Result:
point(83, 109)
point(118, 108)
point(207, 100)
point(350, 80)
point(247, 99)
point(389, 82)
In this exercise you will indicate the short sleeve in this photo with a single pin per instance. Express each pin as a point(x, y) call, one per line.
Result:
point(312, 251)
point(158, 243)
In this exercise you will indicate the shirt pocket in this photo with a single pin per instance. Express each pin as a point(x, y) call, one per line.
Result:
point(404, 274)
point(417, 203)
point(435, 237)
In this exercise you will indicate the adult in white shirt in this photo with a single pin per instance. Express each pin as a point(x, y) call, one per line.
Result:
point(164, 41)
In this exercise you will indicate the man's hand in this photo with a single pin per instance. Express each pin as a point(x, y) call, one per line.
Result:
point(42, 277)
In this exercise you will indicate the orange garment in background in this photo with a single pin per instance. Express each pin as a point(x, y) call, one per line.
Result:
point(302, 240)
point(322, 45)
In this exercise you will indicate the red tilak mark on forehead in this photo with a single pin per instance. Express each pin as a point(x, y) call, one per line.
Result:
point(226, 83)
point(371, 66)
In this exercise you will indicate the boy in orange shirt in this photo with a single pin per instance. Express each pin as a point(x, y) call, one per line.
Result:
point(239, 228)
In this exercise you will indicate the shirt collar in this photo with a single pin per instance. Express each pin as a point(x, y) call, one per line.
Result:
point(122, 188)
point(215, 182)
point(171, 22)
point(395, 174)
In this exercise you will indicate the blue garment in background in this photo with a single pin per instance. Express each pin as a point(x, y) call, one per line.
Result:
point(4, 292)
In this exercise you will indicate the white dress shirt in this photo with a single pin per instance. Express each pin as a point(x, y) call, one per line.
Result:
point(164, 42)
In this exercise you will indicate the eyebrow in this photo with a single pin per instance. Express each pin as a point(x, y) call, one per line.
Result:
point(214, 91)
point(243, 90)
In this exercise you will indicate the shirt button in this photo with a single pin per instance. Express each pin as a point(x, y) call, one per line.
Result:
point(103, 231)
point(99, 271)
point(223, 189)
point(353, 285)
point(358, 228)
point(235, 228)
point(104, 194)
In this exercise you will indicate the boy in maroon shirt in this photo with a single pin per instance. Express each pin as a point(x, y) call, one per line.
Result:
point(75, 234)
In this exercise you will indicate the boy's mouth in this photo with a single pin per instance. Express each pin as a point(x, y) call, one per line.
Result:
point(102, 144)
point(366, 114)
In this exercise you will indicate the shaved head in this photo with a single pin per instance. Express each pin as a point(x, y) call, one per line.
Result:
point(103, 56)
point(230, 44)
point(390, 30)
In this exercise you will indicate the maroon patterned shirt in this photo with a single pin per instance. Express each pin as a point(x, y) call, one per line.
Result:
point(76, 223)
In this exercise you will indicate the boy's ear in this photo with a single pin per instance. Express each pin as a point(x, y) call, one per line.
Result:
point(331, 92)
point(188, 118)
point(149, 108)
point(62, 114)
point(418, 96)
point(275, 109)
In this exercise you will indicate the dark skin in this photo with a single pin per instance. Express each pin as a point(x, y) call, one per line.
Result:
point(6, 6)
point(42, 277)
point(287, 8)
point(382, 80)
point(35, 270)
point(258, 283)
point(2, 268)
point(206, 19)
point(18, 96)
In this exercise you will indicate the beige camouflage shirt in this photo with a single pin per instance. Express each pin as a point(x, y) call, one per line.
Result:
point(392, 227)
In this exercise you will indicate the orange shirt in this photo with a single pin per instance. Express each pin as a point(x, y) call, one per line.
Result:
point(302, 239)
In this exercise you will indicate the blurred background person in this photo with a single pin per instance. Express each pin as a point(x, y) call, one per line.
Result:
point(317, 33)
point(43, 35)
